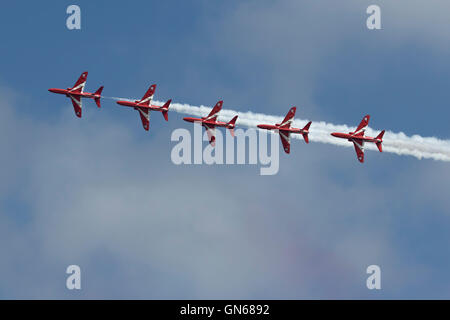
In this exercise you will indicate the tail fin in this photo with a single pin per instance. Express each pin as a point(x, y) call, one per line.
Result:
point(165, 109)
point(305, 134)
point(98, 95)
point(380, 136)
point(232, 124)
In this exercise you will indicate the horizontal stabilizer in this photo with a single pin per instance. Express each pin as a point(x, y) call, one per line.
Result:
point(98, 94)
point(232, 124)
point(379, 146)
point(306, 128)
point(380, 136)
point(306, 132)
point(305, 136)
point(165, 109)
point(233, 121)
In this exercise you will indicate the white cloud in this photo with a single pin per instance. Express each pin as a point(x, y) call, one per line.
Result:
point(98, 196)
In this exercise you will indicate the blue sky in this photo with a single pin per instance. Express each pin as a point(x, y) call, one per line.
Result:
point(102, 193)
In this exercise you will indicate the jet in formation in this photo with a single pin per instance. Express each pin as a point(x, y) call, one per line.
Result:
point(210, 123)
point(358, 138)
point(144, 106)
point(284, 129)
point(76, 93)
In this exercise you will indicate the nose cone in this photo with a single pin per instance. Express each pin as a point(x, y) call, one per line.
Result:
point(339, 135)
point(56, 90)
point(125, 103)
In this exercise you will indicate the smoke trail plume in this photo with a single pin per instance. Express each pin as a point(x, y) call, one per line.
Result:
point(398, 143)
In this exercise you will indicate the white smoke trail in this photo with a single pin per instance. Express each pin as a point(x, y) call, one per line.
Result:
point(117, 98)
point(398, 143)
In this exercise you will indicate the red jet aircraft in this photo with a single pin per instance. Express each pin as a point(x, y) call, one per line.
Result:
point(144, 106)
point(284, 128)
point(77, 92)
point(358, 138)
point(210, 122)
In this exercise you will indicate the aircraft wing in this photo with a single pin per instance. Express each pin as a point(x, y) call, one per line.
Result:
point(364, 122)
point(81, 82)
point(288, 119)
point(285, 140)
point(212, 116)
point(359, 148)
point(211, 131)
point(148, 96)
point(76, 101)
point(145, 117)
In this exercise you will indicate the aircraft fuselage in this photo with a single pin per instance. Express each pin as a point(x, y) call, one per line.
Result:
point(351, 137)
point(277, 127)
point(138, 105)
point(210, 123)
point(68, 93)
